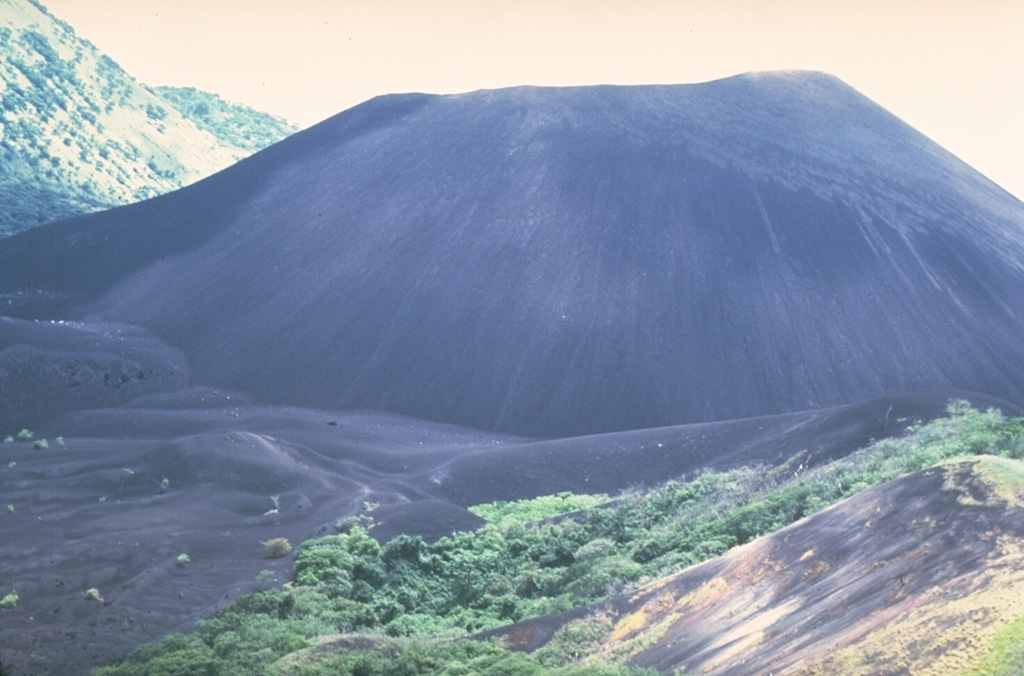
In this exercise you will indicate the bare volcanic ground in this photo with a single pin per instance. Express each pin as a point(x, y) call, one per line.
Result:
point(557, 262)
point(50, 368)
point(911, 577)
point(96, 512)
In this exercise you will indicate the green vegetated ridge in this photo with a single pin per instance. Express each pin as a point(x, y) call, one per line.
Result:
point(356, 606)
point(233, 124)
point(78, 133)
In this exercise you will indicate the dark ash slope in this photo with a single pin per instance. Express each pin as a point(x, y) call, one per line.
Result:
point(554, 262)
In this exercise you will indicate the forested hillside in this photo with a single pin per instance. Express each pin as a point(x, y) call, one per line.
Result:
point(233, 124)
point(78, 133)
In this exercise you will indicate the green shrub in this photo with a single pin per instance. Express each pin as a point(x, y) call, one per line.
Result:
point(344, 525)
point(9, 601)
point(277, 547)
point(40, 443)
point(24, 435)
point(325, 561)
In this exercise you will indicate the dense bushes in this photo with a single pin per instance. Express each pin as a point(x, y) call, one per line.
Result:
point(236, 655)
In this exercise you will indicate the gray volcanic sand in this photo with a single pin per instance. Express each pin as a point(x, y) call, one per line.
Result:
point(93, 513)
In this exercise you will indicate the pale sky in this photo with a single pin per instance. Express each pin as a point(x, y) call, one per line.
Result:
point(954, 69)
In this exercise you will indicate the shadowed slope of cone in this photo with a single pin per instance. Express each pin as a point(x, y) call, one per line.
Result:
point(555, 262)
point(914, 576)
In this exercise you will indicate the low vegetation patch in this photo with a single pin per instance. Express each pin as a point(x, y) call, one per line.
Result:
point(506, 513)
point(277, 547)
point(9, 601)
point(1006, 653)
point(519, 567)
point(362, 656)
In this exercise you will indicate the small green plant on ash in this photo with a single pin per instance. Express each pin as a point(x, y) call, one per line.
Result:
point(40, 443)
point(9, 601)
point(24, 435)
point(93, 594)
point(10, 509)
point(183, 560)
point(60, 441)
point(164, 485)
point(8, 439)
point(277, 547)
point(344, 525)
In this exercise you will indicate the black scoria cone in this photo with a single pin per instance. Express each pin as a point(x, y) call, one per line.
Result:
point(555, 262)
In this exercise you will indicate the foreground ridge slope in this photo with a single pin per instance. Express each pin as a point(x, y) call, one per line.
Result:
point(914, 576)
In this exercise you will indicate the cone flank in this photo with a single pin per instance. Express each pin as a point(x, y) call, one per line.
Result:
point(555, 261)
